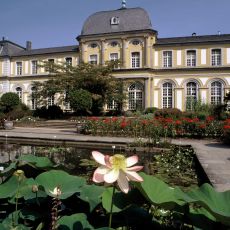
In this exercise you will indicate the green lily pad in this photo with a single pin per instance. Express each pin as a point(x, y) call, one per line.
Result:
point(217, 203)
point(74, 222)
point(39, 162)
point(68, 184)
point(9, 188)
point(159, 193)
point(92, 194)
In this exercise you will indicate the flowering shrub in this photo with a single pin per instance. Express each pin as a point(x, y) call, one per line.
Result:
point(155, 127)
point(226, 131)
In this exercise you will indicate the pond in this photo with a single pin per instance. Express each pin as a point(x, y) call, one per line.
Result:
point(175, 165)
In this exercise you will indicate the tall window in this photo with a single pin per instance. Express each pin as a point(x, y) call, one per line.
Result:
point(19, 93)
point(167, 98)
point(114, 57)
point(50, 67)
point(135, 93)
point(66, 101)
point(216, 57)
point(191, 58)
point(19, 68)
point(216, 93)
point(34, 67)
point(167, 59)
point(50, 101)
point(33, 99)
point(93, 59)
point(68, 61)
point(191, 95)
point(135, 59)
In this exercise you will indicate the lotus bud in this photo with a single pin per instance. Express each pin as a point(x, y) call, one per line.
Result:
point(34, 188)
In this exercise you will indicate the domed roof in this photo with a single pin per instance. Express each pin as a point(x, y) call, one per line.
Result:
point(121, 20)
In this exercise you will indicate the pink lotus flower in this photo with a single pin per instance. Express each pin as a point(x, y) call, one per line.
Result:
point(116, 168)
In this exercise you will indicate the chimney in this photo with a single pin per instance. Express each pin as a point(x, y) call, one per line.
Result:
point(28, 45)
point(3, 38)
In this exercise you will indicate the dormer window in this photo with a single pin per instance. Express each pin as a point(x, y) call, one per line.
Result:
point(93, 45)
point(114, 21)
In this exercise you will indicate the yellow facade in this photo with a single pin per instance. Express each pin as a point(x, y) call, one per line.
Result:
point(161, 73)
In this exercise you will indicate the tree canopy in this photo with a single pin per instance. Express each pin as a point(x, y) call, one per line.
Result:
point(95, 79)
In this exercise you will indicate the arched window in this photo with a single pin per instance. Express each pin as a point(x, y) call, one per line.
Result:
point(191, 95)
point(33, 98)
point(19, 93)
point(135, 92)
point(216, 93)
point(167, 95)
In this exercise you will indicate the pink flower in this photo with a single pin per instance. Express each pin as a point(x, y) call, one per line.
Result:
point(116, 168)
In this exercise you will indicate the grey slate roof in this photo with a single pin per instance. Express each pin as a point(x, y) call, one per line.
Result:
point(223, 38)
point(8, 48)
point(130, 19)
point(42, 51)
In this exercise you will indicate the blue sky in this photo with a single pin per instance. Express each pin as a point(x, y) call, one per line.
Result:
point(50, 23)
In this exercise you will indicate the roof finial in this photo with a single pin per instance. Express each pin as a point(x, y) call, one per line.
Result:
point(123, 4)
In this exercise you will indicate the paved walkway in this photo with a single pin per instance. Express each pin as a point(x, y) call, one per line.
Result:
point(213, 156)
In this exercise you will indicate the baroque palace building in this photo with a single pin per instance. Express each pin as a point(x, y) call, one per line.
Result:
point(158, 72)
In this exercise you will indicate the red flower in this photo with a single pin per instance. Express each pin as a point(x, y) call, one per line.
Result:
point(210, 118)
point(144, 122)
point(114, 119)
point(226, 126)
point(177, 122)
point(202, 126)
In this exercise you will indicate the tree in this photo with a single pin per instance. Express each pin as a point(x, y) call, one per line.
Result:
point(95, 79)
point(9, 101)
point(80, 100)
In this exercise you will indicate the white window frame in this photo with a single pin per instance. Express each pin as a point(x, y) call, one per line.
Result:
point(34, 103)
point(112, 105)
point(134, 93)
point(95, 61)
point(214, 97)
point(190, 59)
point(68, 62)
point(19, 92)
point(215, 61)
point(34, 68)
point(18, 69)
point(166, 64)
point(50, 101)
point(135, 61)
point(114, 59)
point(167, 96)
point(191, 95)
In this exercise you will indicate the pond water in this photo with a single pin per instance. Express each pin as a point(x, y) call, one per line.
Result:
point(176, 167)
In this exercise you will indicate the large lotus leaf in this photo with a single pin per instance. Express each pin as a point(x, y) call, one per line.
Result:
point(39, 162)
point(9, 188)
point(218, 203)
point(9, 169)
point(68, 184)
point(11, 222)
point(159, 193)
point(92, 194)
point(121, 200)
point(74, 222)
point(27, 190)
point(2, 227)
point(201, 218)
